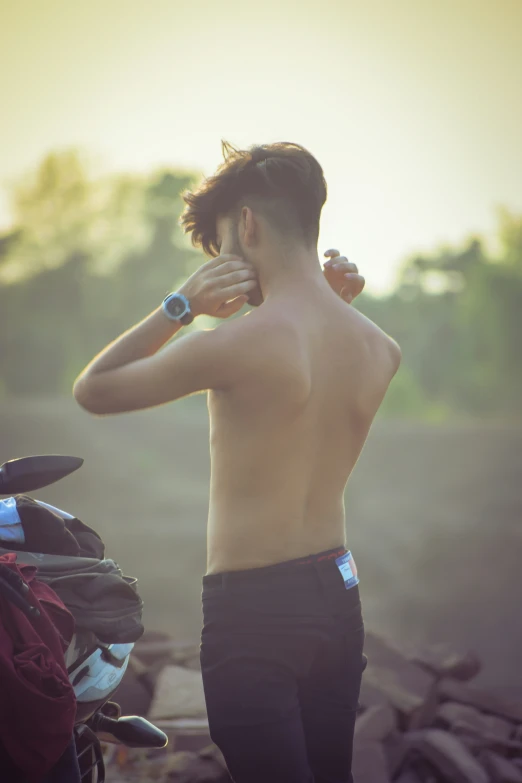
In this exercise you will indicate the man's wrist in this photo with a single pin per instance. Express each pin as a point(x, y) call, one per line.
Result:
point(191, 299)
point(177, 307)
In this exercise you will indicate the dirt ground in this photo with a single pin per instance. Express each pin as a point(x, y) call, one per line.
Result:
point(434, 518)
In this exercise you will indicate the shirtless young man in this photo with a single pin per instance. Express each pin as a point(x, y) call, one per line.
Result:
point(293, 389)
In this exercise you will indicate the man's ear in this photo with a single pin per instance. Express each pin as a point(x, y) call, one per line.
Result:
point(248, 227)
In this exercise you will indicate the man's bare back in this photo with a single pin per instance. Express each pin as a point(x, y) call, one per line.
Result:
point(293, 389)
point(286, 435)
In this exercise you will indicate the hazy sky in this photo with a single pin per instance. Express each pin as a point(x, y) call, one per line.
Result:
point(413, 107)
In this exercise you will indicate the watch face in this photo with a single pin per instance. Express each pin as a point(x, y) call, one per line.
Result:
point(176, 307)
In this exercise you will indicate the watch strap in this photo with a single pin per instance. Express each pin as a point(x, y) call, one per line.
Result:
point(186, 319)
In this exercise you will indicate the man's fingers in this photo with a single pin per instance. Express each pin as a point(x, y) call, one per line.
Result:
point(237, 290)
point(226, 258)
point(343, 265)
point(331, 253)
point(232, 278)
point(232, 265)
point(354, 283)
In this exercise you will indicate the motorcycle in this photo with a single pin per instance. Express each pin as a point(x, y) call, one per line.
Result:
point(95, 669)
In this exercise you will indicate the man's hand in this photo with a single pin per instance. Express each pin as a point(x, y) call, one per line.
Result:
point(220, 287)
point(343, 276)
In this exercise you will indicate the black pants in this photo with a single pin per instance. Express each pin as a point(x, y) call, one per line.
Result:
point(282, 660)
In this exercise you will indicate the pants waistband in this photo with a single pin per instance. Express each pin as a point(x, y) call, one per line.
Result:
point(253, 574)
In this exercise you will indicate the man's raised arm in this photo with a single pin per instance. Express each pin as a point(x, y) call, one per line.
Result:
point(133, 373)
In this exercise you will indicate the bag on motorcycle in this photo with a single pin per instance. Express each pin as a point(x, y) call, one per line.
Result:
point(69, 556)
point(98, 595)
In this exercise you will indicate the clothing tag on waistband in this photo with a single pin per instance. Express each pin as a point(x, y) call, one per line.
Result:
point(348, 569)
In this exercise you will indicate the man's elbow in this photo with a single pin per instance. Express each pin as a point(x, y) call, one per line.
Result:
point(397, 356)
point(88, 397)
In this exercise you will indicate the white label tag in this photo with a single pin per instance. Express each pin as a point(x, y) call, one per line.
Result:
point(348, 569)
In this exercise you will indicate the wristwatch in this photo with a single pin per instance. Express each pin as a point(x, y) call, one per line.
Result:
point(177, 308)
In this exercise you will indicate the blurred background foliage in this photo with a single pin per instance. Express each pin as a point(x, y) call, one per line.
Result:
point(88, 257)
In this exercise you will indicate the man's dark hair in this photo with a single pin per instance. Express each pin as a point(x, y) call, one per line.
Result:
point(283, 181)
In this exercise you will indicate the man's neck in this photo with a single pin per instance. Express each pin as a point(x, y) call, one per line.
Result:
point(282, 270)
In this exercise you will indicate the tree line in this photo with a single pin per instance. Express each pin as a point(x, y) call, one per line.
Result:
point(88, 256)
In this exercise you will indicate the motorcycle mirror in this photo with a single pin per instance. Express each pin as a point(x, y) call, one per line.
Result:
point(29, 473)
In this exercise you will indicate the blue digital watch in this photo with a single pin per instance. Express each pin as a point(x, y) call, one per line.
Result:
point(176, 307)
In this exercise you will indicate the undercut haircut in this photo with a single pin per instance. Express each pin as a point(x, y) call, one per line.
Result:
point(283, 181)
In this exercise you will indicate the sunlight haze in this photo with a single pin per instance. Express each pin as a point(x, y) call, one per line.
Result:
point(413, 108)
